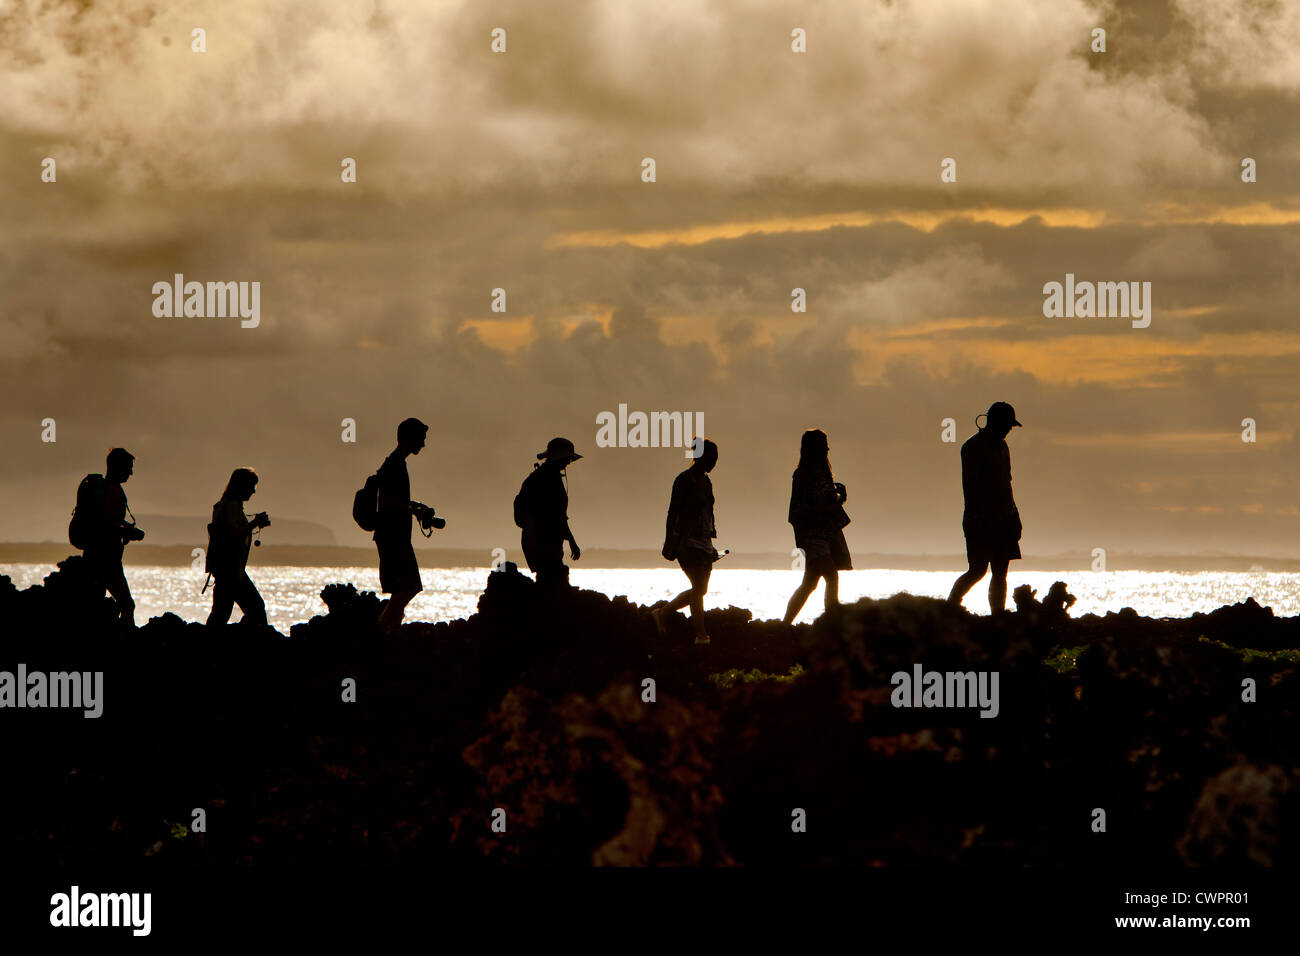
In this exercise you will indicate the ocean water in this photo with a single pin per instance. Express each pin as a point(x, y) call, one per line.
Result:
point(292, 594)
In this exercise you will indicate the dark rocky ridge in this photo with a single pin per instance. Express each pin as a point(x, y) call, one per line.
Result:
point(534, 705)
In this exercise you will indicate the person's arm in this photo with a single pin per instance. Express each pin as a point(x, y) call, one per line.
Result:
point(392, 500)
point(1011, 500)
point(112, 516)
point(828, 497)
point(671, 535)
point(113, 508)
point(710, 501)
point(674, 509)
point(238, 525)
point(259, 520)
point(574, 550)
point(568, 536)
point(798, 506)
point(970, 480)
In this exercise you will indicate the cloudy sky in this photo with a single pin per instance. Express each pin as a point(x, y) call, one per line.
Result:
point(775, 170)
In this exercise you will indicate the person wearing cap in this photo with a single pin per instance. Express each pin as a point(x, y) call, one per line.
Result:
point(542, 511)
point(399, 572)
point(110, 531)
point(991, 521)
point(688, 538)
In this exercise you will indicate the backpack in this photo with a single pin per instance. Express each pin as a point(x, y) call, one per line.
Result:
point(522, 505)
point(365, 504)
point(216, 559)
point(87, 514)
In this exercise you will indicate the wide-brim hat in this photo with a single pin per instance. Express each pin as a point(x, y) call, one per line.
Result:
point(560, 449)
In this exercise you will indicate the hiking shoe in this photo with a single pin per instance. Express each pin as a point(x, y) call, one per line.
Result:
point(702, 639)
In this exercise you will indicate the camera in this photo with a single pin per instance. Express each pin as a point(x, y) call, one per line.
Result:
point(424, 514)
point(132, 533)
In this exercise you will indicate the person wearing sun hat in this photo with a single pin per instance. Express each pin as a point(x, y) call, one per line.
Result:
point(991, 521)
point(542, 512)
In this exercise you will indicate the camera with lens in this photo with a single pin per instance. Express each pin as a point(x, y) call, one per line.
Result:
point(131, 533)
point(424, 514)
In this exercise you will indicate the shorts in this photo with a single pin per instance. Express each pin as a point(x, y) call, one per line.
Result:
point(832, 548)
point(698, 566)
point(398, 569)
point(990, 544)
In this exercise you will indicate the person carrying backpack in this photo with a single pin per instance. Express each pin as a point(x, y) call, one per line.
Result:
point(399, 571)
point(230, 537)
point(100, 528)
point(542, 512)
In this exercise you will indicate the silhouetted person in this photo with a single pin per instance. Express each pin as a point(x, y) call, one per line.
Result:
point(108, 530)
point(818, 515)
point(230, 537)
point(399, 572)
point(542, 511)
point(688, 538)
point(991, 520)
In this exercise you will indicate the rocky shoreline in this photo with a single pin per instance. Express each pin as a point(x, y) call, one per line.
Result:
point(537, 705)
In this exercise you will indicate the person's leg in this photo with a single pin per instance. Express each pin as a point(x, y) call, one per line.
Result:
point(660, 614)
point(99, 569)
point(121, 592)
point(390, 618)
point(548, 564)
point(105, 565)
point(998, 586)
point(699, 578)
point(399, 577)
point(223, 601)
point(528, 545)
point(967, 581)
point(683, 599)
point(805, 588)
point(250, 601)
point(553, 575)
point(679, 602)
point(560, 570)
point(832, 577)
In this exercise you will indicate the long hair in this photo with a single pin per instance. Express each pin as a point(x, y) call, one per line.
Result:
point(814, 454)
point(241, 479)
